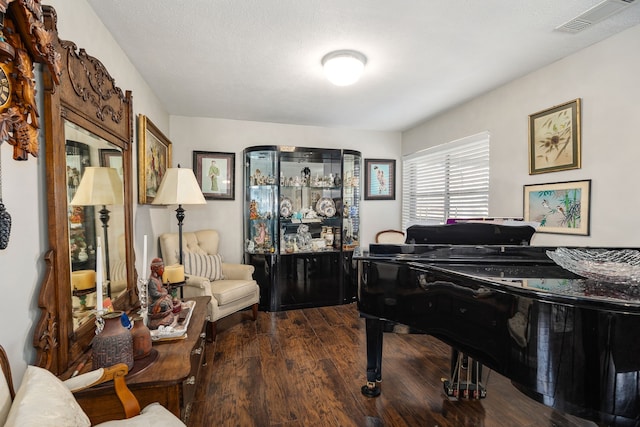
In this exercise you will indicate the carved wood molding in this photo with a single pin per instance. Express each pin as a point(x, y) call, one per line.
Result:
point(45, 336)
point(23, 40)
point(94, 86)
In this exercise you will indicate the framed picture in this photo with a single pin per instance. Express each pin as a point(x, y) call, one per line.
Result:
point(554, 138)
point(154, 158)
point(112, 159)
point(215, 174)
point(380, 179)
point(561, 207)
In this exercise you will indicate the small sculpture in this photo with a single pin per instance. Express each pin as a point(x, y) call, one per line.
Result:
point(306, 175)
point(253, 210)
point(160, 302)
point(261, 234)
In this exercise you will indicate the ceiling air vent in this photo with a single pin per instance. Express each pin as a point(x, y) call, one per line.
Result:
point(594, 15)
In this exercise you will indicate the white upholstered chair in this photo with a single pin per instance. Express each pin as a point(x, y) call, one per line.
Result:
point(390, 236)
point(230, 286)
point(43, 400)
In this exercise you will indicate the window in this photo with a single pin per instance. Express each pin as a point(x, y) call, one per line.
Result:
point(447, 181)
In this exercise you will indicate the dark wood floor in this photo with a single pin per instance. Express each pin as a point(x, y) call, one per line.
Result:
point(306, 367)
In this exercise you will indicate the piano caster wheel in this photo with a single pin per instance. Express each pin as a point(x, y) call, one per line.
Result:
point(370, 389)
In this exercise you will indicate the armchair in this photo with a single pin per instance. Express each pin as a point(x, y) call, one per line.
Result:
point(44, 400)
point(390, 236)
point(230, 286)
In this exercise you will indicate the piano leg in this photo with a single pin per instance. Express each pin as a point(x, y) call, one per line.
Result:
point(374, 329)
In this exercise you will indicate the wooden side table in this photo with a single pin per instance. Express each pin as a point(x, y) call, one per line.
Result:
point(170, 380)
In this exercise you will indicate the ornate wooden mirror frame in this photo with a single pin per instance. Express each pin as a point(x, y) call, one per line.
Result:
point(88, 98)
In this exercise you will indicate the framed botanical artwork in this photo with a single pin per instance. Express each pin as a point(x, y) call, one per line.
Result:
point(561, 207)
point(554, 138)
point(215, 174)
point(154, 158)
point(380, 179)
point(112, 159)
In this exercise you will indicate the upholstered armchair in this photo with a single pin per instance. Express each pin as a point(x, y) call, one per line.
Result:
point(43, 400)
point(230, 286)
point(390, 236)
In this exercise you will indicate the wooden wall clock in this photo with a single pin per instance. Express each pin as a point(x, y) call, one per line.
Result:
point(23, 40)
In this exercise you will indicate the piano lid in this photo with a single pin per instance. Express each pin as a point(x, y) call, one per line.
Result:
point(546, 282)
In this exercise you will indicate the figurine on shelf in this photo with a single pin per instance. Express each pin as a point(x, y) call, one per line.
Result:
point(306, 176)
point(261, 234)
point(160, 301)
point(253, 210)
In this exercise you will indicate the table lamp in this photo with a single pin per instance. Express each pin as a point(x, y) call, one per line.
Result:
point(179, 187)
point(100, 186)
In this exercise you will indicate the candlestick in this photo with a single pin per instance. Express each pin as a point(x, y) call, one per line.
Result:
point(143, 270)
point(99, 272)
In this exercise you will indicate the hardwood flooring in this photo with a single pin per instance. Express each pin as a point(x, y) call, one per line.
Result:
point(306, 367)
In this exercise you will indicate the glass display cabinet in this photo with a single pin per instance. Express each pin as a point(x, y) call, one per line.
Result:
point(302, 222)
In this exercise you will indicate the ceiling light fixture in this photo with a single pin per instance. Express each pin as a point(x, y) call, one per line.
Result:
point(344, 67)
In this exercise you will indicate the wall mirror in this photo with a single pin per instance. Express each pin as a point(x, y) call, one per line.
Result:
point(89, 130)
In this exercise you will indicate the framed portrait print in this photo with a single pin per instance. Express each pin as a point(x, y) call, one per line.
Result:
point(215, 174)
point(154, 158)
point(112, 159)
point(554, 138)
point(380, 179)
point(561, 207)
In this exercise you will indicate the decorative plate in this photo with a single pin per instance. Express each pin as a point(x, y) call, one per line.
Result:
point(286, 207)
point(326, 207)
point(620, 266)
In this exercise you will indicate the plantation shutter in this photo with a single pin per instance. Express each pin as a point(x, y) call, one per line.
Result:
point(447, 181)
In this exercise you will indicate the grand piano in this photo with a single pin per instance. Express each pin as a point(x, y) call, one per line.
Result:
point(568, 342)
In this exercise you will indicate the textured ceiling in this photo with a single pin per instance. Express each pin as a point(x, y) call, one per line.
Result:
point(260, 59)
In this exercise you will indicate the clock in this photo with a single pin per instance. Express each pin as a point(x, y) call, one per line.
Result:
point(5, 87)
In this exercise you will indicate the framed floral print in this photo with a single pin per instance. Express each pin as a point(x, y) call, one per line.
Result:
point(554, 138)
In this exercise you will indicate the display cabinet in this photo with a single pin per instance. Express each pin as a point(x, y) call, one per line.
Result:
point(302, 220)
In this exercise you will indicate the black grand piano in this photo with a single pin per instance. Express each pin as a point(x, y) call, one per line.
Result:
point(568, 342)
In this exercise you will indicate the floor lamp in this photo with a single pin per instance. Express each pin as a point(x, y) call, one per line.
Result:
point(100, 186)
point(179, 187)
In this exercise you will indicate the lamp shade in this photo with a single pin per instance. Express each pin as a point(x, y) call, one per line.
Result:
point(98, 186)
point(344, 67)
point(179, 187)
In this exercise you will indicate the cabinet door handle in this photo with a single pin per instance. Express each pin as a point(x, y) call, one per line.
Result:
point(196, 351)
point(203, 335)
point(191, 380)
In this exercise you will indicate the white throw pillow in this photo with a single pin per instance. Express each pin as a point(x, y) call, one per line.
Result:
point(209, 266)
point(43, 400)
point(153, 415)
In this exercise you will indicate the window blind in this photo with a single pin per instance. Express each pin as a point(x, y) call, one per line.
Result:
point(450, 180)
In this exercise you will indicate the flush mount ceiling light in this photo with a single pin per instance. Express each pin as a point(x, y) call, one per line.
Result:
point(343, 67)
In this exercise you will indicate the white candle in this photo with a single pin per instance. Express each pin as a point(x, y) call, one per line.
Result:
point(143, 270)
point(99, 273)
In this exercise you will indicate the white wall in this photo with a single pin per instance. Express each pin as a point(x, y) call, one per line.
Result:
point(604, 76)
point(203, 134)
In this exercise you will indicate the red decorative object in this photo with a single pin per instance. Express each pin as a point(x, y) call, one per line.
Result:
point(141, 336)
